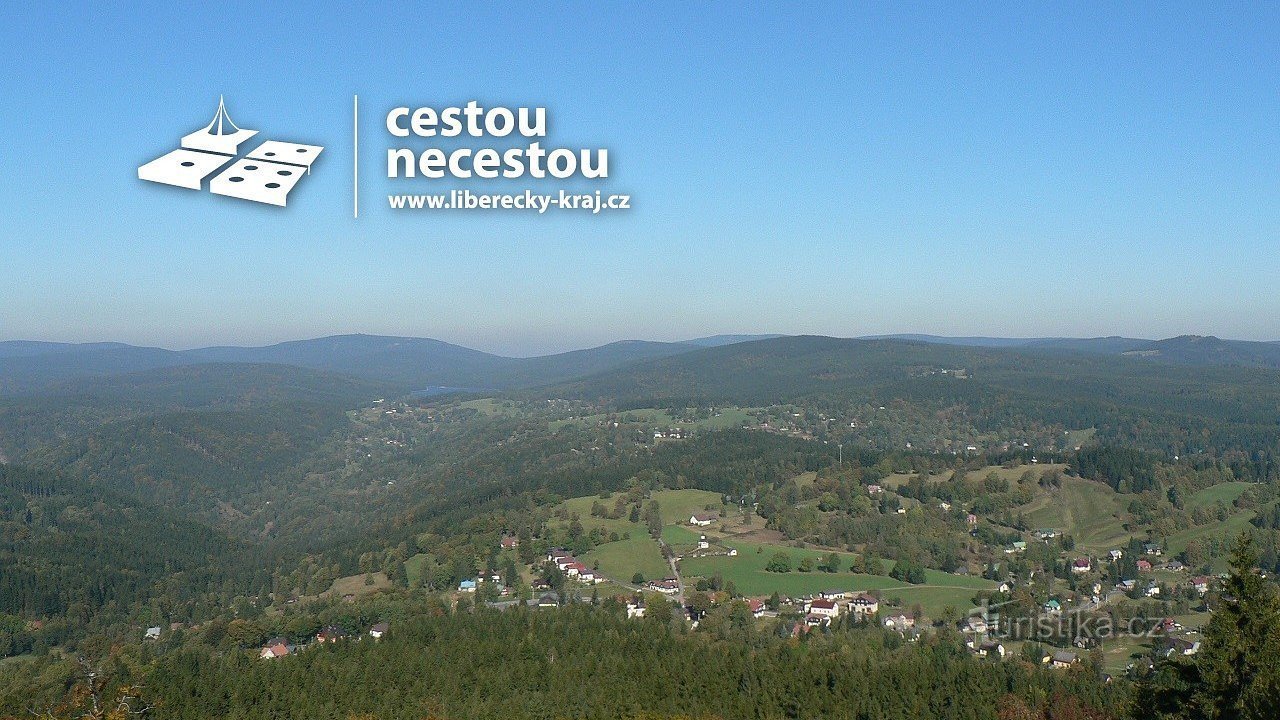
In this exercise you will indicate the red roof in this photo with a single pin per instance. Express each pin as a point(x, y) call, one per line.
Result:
point(824, 604)
point(1081, 562)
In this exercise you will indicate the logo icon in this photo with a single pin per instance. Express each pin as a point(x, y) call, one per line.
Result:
point(265, 175)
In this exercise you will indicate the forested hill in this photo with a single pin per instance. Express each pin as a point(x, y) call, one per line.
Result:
point(1126, 396)
point(412, 363)
point(70, 549)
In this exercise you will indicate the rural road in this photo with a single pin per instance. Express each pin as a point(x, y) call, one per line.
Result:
point(675, 572)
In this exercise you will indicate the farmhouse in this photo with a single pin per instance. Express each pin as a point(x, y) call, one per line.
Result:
point(824, 608)
point(666, 586)
point(863, 605)
point(1081, 565)
point(701, 519)
point(1144, 566)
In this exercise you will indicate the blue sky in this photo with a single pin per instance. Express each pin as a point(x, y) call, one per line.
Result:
point(841, 170)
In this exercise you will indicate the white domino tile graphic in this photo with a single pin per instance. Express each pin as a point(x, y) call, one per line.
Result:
point(257, 180)
point(292, 153)
point(265, 175)
point(183, 168)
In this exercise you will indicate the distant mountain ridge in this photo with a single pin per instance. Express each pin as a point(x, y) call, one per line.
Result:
point(420, 363)
point(1181, 350)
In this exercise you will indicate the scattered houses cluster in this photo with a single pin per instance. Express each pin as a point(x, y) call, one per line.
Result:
point(279, 647)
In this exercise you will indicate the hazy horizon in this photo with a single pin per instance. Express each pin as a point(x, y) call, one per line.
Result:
point(496, 347)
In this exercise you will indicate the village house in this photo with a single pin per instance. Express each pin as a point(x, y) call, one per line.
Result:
point(824, 608)
point(377, 631)
point(1053, 607)
point(275, 648)
point(1063, 659)
point(1200, 584)
point(635, 608)
point(976, 625)
point(330, 634)
point(990, 648)
point(900, 622)
point(666, 586)
point(1081, 565)
point(874, 489)
point(509, 542)
point(548, 601)
point(467, 586)
point(153, 633)
point(1181, 646)
point(756, 607)
point(701, 519)
point(833, 594)
point(1153, 549)
point(971, 519)
point(1144, 566)
point(864, 606)
point(702, 542)
point(1115, 554)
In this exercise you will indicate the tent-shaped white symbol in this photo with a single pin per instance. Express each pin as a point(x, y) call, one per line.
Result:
point(219, 136)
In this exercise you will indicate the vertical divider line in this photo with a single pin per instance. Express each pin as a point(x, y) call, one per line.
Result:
point(355, 156)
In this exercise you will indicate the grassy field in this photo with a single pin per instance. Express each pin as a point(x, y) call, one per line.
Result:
point(722, 419)
point(678, 505)
point(620, 560)
point(1231, 527)
point(1118, 653)
point(413, 569)
point(681, 537)
point(1223, 492)
point(747, 572)
point(357, 585)
point(1010, 474)
point(582, 506)
point(1091, 512)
